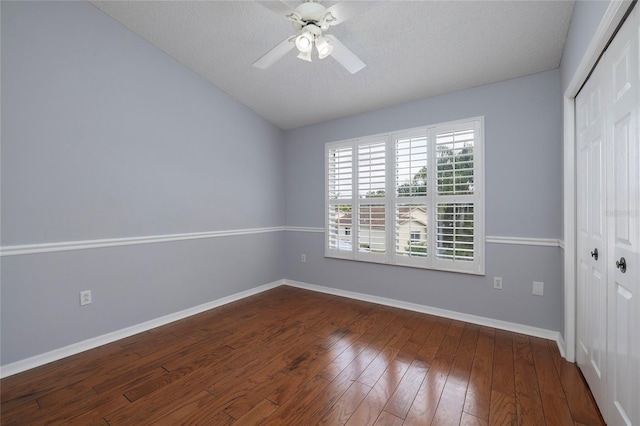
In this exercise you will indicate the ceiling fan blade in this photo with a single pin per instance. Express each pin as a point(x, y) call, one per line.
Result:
point(344, 56)
point(279, 7)
point(274, 54)
point(345, 10)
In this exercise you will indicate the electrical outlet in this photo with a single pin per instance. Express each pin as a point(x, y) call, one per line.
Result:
point(538, 288)
point(85, 297)
point(497, 283)
point(303, 258)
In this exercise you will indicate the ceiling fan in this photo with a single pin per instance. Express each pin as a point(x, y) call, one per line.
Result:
point(311, 19)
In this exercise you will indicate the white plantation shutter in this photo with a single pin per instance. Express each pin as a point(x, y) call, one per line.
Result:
point(339, 166)
point(372, 169)
point(340, 173)
point(454, 161)
point(411, 161)
point(455, 231)
point(340, 223)
point(372, 228)
point(413, 198)
point(411, 231)
point(371, 231)
point(458, 224)
point(410, 203)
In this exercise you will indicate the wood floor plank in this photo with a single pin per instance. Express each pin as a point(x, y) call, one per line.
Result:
point(556, 410)
point(432, 344)
point(528, 401)
point(242, 405)
point(377, 367)
point(260, 412)
point(469, 420)
point(158, 405)
point(96, 416)
point(478, 397)
point(298, 403)
point(387, 419)
point(503, 409)
point(579, 398)
point(411, 348)
point(503, 378)
point(292, 356)
point(318, 408)
point(375, 328)
point(452, 399)
point(402, 398)
point(343, 409)
point(548, 378)
point(368, 411)
point(198, 409)
point(426, 401)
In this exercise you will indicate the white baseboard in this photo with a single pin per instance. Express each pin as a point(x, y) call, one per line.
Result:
point(474, 319)
point(76, 348)
point(561, 346)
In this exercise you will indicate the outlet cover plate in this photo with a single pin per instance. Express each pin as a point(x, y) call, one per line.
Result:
point(497, 283)
point(538, 288)
point(85, 297)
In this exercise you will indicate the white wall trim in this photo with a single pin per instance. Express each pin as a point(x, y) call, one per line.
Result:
point(526, 241)
point(116, 242)
point(474, 319)
point(547, 242)
point(612, 17)
point(303, 229)
point(26, 249)
point(76, 348)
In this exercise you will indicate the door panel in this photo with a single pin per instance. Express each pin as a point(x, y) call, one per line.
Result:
point(623, 224)
point(591, 350)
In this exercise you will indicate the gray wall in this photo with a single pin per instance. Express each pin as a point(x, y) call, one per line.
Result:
point(584, 22)
point(523, 175)
point(105, 136)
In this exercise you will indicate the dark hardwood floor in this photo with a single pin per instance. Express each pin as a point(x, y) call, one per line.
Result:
point(294, 357)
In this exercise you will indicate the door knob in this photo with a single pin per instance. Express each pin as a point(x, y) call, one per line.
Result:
point(594, 253)
point(622, 265)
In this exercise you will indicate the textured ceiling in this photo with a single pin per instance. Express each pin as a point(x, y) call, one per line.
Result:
point(413, 50)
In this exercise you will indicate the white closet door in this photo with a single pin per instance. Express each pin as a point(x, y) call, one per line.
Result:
point(592, 247)
point(623, 220)
point(608, 191)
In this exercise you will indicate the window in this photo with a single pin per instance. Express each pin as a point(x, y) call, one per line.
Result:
point(412, 198)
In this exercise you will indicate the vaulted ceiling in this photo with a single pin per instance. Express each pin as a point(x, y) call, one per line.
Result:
point(412, 50)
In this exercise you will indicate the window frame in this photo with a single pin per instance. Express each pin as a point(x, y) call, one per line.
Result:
point(391, 200)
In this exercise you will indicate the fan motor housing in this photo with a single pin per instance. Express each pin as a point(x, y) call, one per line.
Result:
point(310, 12)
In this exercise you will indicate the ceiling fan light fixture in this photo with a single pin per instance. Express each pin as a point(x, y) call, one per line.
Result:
point(324, 47)
point(304, 42)
point(305, 56)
